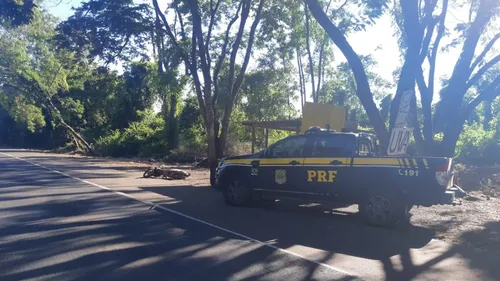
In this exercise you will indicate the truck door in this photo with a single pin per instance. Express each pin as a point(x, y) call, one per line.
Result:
point(327, 164)
point(279, 167)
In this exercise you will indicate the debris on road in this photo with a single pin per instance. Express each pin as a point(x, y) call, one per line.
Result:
point(166, 173)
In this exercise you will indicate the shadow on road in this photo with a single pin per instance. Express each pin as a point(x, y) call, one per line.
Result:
point(288, 225)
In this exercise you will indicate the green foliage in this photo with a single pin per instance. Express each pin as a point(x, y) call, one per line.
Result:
point(30, 71)
point(192, 133)
point(473, 140)
point(142, 138)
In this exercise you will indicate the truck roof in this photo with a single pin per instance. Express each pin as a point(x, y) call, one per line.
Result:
point(322, 131)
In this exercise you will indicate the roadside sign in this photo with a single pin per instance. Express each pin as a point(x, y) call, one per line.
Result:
point(398, 144)
point(404, 110)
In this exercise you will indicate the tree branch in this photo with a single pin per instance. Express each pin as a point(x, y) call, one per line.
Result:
point(197, 33)
point(341, 6)
point(245, 11)
point(435, 47)
point(196, 78)
point(462, 69)
point(302, 90)
point(181, 22)
point(222, 55)
point(322, 49)
point(213, 11)
point(492, 91)
point(170, 34)
point(251, 39)
point(481, 56)
point(427, 38)
point(476, 77)
point(309, 55)
point(422, 86)
point(320, 69)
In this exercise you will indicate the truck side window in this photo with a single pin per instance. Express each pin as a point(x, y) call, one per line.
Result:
point(287, 148)
point(333, 146)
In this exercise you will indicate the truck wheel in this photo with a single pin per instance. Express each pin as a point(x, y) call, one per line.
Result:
point(385, 210)
point(237, 193)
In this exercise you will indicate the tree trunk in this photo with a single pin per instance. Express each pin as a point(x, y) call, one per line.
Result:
point(212, 142)
point(451, 136)
point(309, 54)
point(172, 124)
point(413, 38)
point(302, 81)
point(77, 136)
point(56, 114)
point(488, 116)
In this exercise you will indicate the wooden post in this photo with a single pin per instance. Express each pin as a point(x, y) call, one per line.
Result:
point(253, 139)
point(267, 137)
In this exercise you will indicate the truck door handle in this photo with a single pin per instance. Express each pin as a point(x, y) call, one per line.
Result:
point(294, 162)
point(255, 163)
point(336, 162)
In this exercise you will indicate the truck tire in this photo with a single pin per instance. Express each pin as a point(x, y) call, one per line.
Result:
point(385, 209)
point(237, 193)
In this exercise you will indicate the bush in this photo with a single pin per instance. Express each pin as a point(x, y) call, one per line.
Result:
point(491, 153)
point(472, 143)
point(143, 138)
point(193, 139)
point(181, 156)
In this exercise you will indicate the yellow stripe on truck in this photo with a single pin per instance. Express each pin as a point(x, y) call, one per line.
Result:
point(326, 161)
point(239, 161)
point(279, 161)
point(376, 161)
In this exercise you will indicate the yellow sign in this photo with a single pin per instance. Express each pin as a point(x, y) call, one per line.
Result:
point(323, 115)
point(321, 176)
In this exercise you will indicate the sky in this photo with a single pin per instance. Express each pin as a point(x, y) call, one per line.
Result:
point(378, 40)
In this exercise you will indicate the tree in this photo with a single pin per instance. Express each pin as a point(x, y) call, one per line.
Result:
point(117, 31)
point(418, 25)
point(108, 30)
point(32, 76)
point(206, 50)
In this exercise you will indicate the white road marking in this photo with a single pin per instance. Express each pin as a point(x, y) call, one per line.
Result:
point(155, 206)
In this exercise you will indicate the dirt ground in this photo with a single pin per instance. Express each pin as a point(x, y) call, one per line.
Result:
point(474, 221)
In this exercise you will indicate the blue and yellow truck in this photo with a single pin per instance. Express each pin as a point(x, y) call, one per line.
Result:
point(323, 165)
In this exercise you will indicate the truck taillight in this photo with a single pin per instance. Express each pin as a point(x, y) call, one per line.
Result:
point(444, 176)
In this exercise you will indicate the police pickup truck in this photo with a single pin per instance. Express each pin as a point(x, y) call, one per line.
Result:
point(341, 167)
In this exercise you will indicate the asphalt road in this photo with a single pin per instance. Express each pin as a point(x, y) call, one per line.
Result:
point(72, 219)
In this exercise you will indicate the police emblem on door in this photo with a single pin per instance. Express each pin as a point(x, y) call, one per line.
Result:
point(280, 176)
